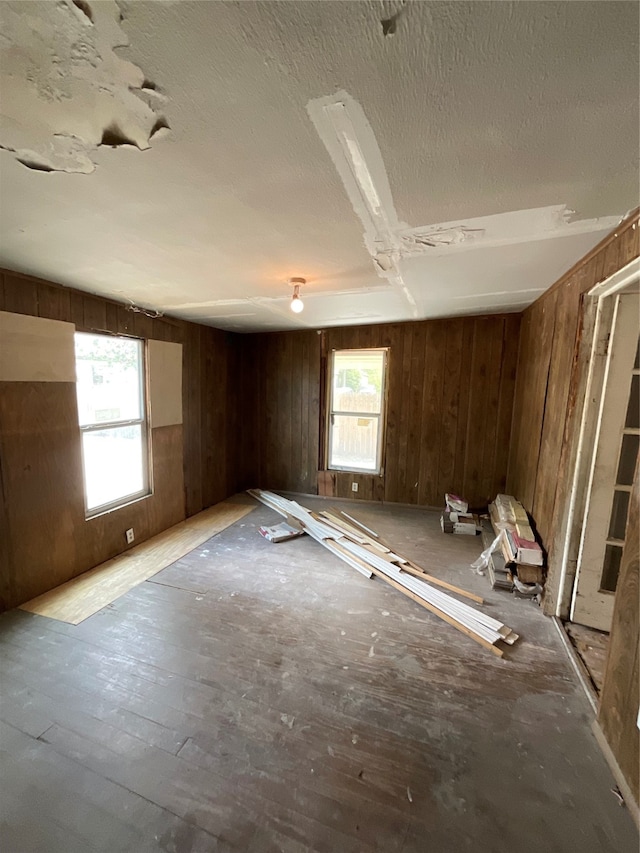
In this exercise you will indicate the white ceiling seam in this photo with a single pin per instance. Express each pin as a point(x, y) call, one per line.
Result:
point(65, 91)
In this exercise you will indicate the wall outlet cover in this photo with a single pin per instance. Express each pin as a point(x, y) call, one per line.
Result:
point(130, 535)
point(354, 487)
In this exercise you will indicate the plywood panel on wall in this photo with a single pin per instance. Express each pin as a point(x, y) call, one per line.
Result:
point(164, 365)
point(33, 349)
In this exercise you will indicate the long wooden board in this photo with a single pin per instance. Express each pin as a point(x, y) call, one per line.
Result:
point(76, 600)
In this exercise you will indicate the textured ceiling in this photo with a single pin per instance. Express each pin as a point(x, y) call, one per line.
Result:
point(185, 172)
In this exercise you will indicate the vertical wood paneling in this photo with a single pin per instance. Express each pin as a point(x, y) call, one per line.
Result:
point(395, 342)
point(546, 409)
point(192, 411)
point(464, 410)
point(619, 700)
point(21, 294)
point(451, 370)
point(561, 360)
point(432, 367)
point(506, 396)
point(413, 413)
point(207, 469)
point(431, 425)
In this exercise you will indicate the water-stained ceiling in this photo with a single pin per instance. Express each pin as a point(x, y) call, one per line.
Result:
point(190, 156)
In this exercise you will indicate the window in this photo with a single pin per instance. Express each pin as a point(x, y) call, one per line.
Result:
point(112, 413)
point(356, 415)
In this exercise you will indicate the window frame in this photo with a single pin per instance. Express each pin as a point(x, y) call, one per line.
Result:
point(381, 416)
point(143, 421)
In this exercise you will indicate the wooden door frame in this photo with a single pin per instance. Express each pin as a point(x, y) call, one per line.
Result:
point(597, 315)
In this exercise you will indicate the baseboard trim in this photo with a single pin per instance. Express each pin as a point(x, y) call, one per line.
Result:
point(576, 662)
point(621, 782)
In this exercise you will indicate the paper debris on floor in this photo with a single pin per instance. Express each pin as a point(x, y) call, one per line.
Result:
point(365, 551)
point(455, 503)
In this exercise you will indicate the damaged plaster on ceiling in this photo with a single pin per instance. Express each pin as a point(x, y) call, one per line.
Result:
point(506, 138)
point(65, 91)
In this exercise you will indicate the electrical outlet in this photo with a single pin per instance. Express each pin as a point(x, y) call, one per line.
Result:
point(130, 535)
point(354, 487)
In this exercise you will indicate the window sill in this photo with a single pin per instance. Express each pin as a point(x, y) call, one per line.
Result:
point(358, 471)
point(100, 511)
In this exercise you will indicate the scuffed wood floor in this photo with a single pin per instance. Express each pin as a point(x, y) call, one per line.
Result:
point(256, 697)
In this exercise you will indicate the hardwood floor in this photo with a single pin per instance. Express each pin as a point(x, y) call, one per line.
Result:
point(259, 697)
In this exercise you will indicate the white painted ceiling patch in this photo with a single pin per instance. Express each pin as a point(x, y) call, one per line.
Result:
point(348, 137)
point(65, 91)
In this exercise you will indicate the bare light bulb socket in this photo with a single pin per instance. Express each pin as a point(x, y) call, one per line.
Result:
point(297, 304)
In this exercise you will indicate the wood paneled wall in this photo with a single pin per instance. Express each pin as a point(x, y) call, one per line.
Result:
point(451, 385)
point(618, 710)
point(45, 537)
point(547, 387)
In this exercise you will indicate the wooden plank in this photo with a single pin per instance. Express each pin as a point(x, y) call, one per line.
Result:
point(506, 400)
point(543, 324)
point(53, 302)
point(555, 412)
point(40, 441)
point(192, 401)
point(619, 700)
point(404, 458)
point(95, 314)
point(395, 337)
point(80, 598)
point(444, 616)
point(450, 413)
point(482, 415)
point(433, 426)
point(487, 480)
point(76, 310)
point(20, 294)
point(464, 412)
point(411, 568)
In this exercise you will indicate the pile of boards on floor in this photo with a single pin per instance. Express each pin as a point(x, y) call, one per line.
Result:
point(364, 550)
point(516, 560)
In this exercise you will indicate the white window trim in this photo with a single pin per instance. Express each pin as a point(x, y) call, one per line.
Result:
point(143, 422)
point(379, 416)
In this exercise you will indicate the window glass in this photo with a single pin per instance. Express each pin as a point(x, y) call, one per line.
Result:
point(111, 412)
point(108, 374)
point(357, 410)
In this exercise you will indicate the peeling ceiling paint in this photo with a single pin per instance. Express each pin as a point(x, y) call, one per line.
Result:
point(506, 138)
point(64, 89)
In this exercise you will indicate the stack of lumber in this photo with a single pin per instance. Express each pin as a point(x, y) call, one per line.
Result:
point(362, 549)
point(499, 573)
point(460, 522)
point(522, 554)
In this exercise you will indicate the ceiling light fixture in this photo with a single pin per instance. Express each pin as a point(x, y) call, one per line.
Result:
point(296, 303)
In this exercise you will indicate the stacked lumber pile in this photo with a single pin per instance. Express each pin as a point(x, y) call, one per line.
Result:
point(500, 574)
point(362, 549)
point(523, 556)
